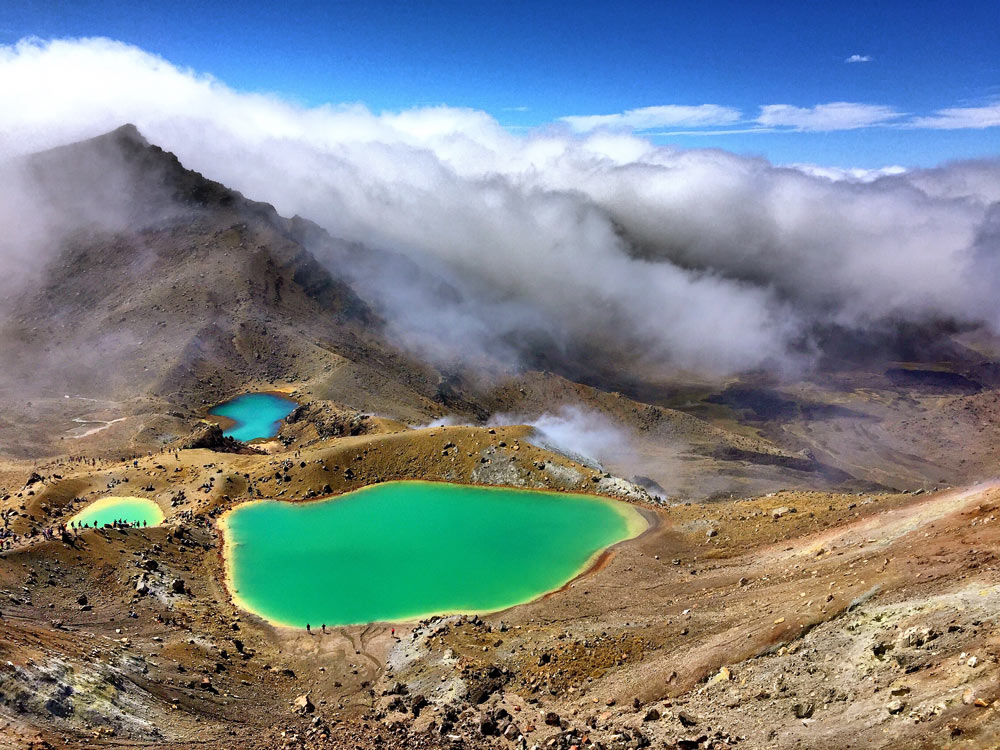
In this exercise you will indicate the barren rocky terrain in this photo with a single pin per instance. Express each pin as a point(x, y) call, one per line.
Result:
point(820, 568)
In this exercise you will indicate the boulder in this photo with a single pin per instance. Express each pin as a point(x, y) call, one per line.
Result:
point(417, 703)
point(687, 719)
point(511, 732)
point(303, 705)
point(210, 436)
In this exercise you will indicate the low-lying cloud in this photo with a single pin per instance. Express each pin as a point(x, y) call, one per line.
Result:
point(553, 243)
point(582, 434)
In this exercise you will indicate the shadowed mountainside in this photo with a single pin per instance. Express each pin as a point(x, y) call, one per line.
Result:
point(161, 283)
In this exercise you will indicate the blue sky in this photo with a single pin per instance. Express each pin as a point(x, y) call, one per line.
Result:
point(531, 63)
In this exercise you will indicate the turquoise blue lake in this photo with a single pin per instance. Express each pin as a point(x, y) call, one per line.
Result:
point(254, 415)
point(402, 550)
point(138, 510)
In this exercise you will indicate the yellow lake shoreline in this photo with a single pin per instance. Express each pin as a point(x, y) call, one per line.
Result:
point(636, 524)
point(104, 502)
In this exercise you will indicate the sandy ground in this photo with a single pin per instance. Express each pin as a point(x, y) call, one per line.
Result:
point(788, 619)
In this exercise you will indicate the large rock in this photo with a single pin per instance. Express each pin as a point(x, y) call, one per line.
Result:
point(487, 727)
point(210, 436)
point(687, 719)
point(303, 704)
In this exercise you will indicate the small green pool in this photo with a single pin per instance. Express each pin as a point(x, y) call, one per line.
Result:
point(404, 550)
point(254, 415)
point(132, 510)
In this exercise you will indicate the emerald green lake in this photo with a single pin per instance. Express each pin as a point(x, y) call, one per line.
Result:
point(127, 509)
point(254, 415)
point(404, 550)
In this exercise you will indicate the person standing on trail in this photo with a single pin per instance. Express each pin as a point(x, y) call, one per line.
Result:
point(324, 627)
point(308, 629)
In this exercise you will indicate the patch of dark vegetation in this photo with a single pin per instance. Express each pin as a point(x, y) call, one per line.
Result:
point(891, 341)
point(765, 404)
point(986, 373)
point(797, 463)
point(757, 403)
point(932, 379)
point(818, 412)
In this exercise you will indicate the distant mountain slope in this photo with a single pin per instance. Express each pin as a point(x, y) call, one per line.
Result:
point(162, 282)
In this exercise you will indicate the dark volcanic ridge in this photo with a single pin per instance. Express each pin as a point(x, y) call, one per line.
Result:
point(163, 282)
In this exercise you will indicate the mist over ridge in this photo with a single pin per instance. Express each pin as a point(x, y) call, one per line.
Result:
point(546, 245)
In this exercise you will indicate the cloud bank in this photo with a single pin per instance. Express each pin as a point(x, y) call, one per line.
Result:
point(550, 246)
point(665, 116)
point(827, 117)
point(959, 118)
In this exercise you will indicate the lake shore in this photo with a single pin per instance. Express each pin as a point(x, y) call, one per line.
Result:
point(635, 521)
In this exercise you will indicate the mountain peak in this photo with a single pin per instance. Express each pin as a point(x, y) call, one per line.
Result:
point(127, 132)
point(123, 172)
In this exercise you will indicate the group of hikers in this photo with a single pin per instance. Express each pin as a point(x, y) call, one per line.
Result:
point(8, 539)
point(309, 628)
point(323, 628)
point(85, 460)
point(118, 523)
point(95, 461)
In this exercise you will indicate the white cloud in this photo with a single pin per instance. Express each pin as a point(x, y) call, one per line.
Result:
point(848, 174)
point(859, 59)
point(583, 434)
point(664, 116)
point(956, 118)
point(644, 257)
point(714, 131)
point(826, 117)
